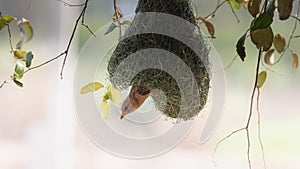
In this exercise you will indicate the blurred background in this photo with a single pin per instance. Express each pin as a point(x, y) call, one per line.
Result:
point(38, 124)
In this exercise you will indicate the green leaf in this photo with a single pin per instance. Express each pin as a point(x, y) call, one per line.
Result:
point(18, 83)
point(240, 47)
point(114, 94)
point(20, 54)
point(19, 70)
point(262, 76)
point(279, 43)
point(262, 21)
point(4, 20)
point(105, 108)
point(262, 38)
point(91, 87)
point(235, 4)
point(29, 57)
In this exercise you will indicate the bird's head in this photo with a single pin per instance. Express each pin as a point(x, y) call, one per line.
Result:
point(135, 99)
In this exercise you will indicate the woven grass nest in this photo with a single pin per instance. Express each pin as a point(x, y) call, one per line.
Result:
point(159, 79)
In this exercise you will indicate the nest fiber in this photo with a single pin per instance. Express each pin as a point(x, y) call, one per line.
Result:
point(169, 75)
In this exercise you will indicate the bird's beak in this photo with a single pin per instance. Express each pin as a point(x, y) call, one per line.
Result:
point(135, 99)
point(127, 107)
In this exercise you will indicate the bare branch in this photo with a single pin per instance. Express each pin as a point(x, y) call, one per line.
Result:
point(71, 5)
point(234, 13)
point(66, 52)
point(246, 128)
point(297, 36)
point(72, 37)
point(213, 13)
point(259, 129)
point(118, 15)
point(86, 26)
point(29, 5)
point(231, 63)
point(9, 34)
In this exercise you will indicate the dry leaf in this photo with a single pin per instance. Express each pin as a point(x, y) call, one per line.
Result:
point(295, 61)
point(279, 43)
point(285, 8)
point(209, 26)
point(269, 57)
point(254, 7)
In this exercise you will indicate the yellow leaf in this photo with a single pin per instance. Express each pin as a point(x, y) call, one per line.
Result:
point(91, 87)
point(262, 76)
point(114, 94)
point(20, 54)
point(235, 4)
point(105, 109)
point(279, 43)
point(5, 19)
point(295, 61)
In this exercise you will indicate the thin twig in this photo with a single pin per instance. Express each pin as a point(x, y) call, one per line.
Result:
point(297, 36)
point(72, 37)
point(213, 13)
point(118, 16)
point(264, 7)
point(246, 128)
point(269, 68)
point(295, 17)
point(251, 104)
point(29, 5)
point(231, 63)
point(222, 140)
point(259, 129)
point(71, 5)
point(234, 13)
point(9, 33)
point(85, 25)
point(66, 52)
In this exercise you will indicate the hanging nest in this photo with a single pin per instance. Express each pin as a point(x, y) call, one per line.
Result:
point(136, 72)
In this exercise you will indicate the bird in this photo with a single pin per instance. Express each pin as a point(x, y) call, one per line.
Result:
point(136, 97)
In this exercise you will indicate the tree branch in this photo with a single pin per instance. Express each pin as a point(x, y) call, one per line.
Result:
point(66, 52)
point(246, 128)
point(213, 13)
point(259, 129)
point(70, 5)
point(9, 34)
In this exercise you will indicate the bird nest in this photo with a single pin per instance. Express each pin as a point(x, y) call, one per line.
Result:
point(147, 59)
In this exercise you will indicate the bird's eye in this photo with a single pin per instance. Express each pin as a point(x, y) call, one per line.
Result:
point(143, 91)
point(125, 108)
